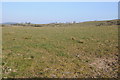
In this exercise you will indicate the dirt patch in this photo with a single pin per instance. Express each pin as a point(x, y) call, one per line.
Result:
point(105, 67)
point(99, 64)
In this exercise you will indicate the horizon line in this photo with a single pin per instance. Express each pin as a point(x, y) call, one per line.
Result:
point(58, 22)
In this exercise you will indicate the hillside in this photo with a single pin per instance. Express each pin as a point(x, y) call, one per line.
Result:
point(90, 23)
point(77, 50)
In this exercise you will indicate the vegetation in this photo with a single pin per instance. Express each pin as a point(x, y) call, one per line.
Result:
point(79, 50)
point(93, 23)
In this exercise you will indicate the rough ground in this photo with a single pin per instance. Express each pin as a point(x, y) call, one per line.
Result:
point(70, 52)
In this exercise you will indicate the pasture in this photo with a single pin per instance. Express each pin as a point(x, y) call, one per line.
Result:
point(72, 51)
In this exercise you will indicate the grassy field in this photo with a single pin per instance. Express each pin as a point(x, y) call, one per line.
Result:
point(67, 51)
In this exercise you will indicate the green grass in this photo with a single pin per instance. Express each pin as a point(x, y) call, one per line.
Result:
point(59, 51)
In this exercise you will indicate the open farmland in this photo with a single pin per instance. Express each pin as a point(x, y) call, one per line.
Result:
point(69, 51)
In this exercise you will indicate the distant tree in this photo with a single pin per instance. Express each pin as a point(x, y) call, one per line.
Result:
point(3, 25)
point(29, 22)
point(74, 22)
point(118, 22)
point(25, 22)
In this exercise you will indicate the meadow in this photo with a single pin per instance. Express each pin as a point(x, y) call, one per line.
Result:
point(67, 51)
